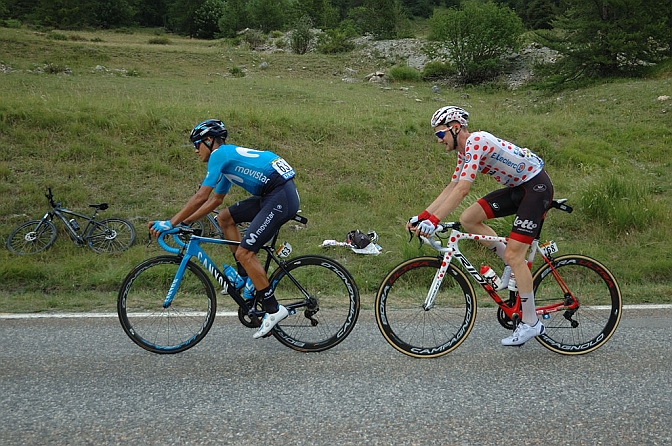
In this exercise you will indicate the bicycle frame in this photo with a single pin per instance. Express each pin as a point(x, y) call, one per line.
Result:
point(61, 214)
point(193, 249)
point(512, 307)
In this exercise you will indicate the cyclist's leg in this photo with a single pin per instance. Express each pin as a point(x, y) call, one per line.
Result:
point(276, 208)
point(535, 200)
point(229, 228)
point(498, 203)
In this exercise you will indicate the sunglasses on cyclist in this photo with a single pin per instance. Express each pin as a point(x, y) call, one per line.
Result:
point(441, 133)
point(197, 143)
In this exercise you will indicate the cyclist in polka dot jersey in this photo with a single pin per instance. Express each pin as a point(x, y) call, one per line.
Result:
point(527, 194)
point(505, 162)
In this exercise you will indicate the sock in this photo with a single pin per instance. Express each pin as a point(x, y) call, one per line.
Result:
point(528, 307)
point(269, 302)
point(498, 248)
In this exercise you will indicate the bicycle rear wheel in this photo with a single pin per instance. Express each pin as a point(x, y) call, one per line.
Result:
point(110, 235)
point(327, 315)
point(32, 237)
point(414, 330)
point(171, 329)
point(575, 332)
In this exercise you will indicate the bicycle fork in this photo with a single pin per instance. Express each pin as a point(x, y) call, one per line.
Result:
point(438, 279)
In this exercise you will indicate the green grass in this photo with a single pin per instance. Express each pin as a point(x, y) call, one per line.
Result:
point(116, 130)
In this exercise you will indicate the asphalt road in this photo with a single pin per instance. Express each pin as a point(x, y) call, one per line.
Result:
point(82, 381)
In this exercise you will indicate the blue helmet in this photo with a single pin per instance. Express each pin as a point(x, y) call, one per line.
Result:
point(213, 128)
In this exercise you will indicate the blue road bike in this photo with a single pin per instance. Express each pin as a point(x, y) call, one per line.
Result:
point(167, 304)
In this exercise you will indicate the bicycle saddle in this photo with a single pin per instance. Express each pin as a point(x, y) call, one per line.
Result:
point(100, 207)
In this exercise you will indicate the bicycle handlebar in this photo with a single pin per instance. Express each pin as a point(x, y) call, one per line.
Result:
point(50, 197)
point(175, 232)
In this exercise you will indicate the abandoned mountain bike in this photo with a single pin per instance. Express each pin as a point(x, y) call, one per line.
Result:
point(102, 236)
point(167, 304)
point(426, 306)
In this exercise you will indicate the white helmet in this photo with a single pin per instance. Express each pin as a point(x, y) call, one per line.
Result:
point(450, 113)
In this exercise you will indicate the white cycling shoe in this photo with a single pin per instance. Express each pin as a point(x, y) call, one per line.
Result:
point(524, 333)
point(270, 320)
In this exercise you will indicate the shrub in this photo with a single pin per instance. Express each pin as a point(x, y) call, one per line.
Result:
point(159, 41)
point(301, 36)
point(334, 41)
point(438, 70)
point(406, 74)
point(485, 33)
point(57, 36)
point(255, 38)
point(11, 23)
point(52, 68)
point(236, 72)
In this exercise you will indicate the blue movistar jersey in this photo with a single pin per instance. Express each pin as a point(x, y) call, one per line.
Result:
point(256, 171)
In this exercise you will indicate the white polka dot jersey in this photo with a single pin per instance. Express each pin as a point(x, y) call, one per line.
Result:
point(505, 162)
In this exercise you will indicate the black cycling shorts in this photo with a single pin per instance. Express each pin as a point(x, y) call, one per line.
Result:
point(530, 201)
point(266, 214)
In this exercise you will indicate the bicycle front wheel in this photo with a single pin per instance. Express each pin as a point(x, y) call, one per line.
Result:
point(328, 313)
point(166, 329)
point(579, 331)
point(407, 324)
point(32, 237)
point(110, 235)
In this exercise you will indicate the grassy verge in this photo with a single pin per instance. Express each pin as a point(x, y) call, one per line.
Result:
point(113, 127)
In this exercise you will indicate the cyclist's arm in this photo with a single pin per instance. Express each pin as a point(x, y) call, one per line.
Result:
point(210, 205)
point(449, 199)
point(195, 203)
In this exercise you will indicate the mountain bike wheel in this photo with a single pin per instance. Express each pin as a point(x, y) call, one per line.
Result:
point(173, 329)
point(414, 330)
point(110, 235)
point(32, 237)
point(593, 323)
point(328, 315)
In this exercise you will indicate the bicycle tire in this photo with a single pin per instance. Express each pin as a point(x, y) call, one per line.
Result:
point(411, 329)
point(178, 327)
point(334, 303)
point(110, 235)
point(32, 237)
point(600, 302)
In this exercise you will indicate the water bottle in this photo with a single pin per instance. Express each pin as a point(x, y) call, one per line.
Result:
point(248, 292)
point(490, 276)
point(233, 276)
point(74, 224)
point(505, 277)
point(512, 283)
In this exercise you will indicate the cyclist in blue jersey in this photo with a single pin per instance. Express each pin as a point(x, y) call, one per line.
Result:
point(527, 193)
point(274, 201)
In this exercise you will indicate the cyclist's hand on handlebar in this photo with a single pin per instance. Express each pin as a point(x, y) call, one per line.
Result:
point(427, 227)
point(414, 221)
point(159, 226)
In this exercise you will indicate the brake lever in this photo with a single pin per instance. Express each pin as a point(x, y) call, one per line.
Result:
point(411, 239)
